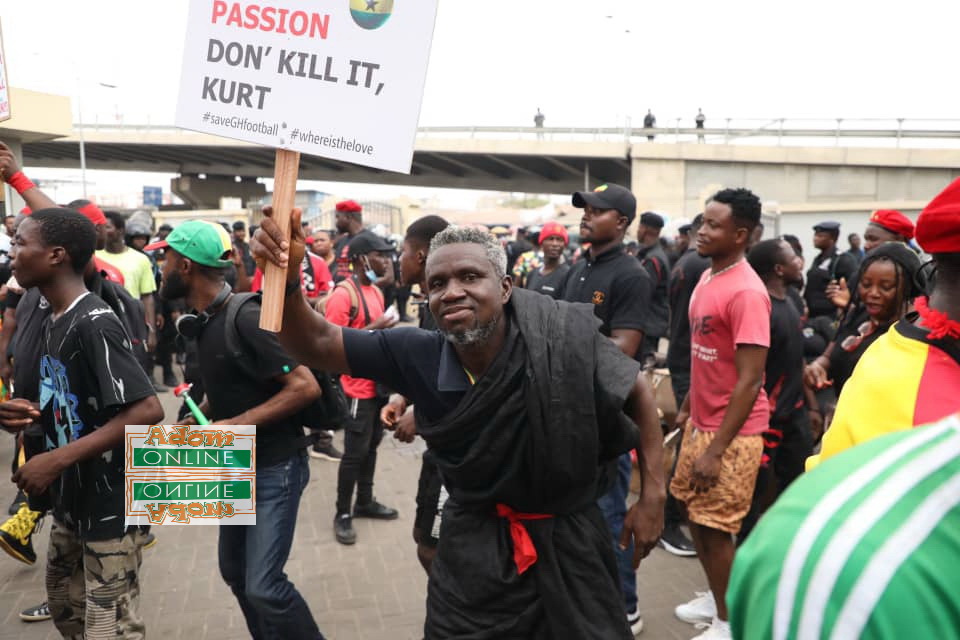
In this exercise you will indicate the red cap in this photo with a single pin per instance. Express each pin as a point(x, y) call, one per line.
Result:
point(94, 213)
point(893, 221)
point(938, 227)
point(309, 240)
point(554, 229)
point(349, 206)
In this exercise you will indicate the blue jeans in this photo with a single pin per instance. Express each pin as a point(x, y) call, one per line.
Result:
point(252, 556)
point(613, 505)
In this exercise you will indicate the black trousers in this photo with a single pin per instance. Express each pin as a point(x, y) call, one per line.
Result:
point(672, 513)
point(784, 458)
point(362, 433)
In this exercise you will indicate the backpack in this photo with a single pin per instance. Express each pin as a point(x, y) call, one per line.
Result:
point(327, 412)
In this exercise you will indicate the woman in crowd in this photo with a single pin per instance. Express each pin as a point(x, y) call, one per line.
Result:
point(886, 286)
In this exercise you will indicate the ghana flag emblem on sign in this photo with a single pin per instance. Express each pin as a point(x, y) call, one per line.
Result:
point(371, 14)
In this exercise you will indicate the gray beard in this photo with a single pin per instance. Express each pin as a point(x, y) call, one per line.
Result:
point(472, 337)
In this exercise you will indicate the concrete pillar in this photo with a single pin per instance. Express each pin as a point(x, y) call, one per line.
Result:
point(659, 185)
point(12, 202)
point(206, 193)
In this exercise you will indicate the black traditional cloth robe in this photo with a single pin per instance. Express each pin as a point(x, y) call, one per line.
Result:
point(537, 433)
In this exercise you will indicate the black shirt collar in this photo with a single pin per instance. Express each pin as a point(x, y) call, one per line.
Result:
point(606, 256)
point(451, 377)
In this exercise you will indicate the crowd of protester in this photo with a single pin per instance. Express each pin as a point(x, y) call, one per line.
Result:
point(538, 415)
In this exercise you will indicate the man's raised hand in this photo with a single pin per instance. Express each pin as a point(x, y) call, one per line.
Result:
point(269, 246)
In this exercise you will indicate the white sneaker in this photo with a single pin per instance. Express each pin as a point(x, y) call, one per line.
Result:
point(635, 622)
point(703, 608)
point(716, 630)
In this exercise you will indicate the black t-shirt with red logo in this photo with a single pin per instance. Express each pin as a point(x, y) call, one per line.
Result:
point(618, 287)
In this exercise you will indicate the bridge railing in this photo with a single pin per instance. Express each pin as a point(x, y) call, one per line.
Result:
point(872, 132)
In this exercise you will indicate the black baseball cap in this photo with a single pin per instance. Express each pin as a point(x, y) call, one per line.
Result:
point(608, 196)
point(828, 225)
point(364, 243)
point(652, 220)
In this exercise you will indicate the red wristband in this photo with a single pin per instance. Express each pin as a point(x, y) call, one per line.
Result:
point(20, 182)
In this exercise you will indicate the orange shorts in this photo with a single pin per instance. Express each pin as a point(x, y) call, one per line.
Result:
point(725, 505)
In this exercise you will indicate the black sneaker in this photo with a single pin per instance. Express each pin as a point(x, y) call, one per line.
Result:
point(343, 529)
point(674, 541)
point(159, 388)
point(38, 613)
point(375, 510)
point(325, 452)
point(20, 498)
point(170, 379)
point(17, 532)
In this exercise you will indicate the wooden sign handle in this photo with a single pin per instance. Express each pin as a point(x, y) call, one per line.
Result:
point(275, 278)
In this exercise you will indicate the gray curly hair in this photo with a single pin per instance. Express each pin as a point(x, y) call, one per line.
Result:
point(470, 235)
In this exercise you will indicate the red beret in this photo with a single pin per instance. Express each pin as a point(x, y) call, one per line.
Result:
point(349, 206)
point(938, 227)
point(554, 229)
point(893, 221)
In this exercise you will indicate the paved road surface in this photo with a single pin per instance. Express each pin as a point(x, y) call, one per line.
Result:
point(374, 590)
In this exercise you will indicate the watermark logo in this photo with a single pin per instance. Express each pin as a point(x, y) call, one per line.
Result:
point(177, 474)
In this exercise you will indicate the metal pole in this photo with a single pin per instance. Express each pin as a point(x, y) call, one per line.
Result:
point(837, 139)
point(780, 143)
point(899, 130)
point(677, 131)
point(586, 176)
point(83, 150)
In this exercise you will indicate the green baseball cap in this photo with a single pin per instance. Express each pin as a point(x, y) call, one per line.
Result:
point(205, 243)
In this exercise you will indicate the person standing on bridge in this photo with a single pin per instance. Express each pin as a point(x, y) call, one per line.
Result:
point(649, 122)
point(524, 407)
point(538, 120)
point(700, 121)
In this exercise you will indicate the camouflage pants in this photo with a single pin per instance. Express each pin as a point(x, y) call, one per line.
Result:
point(93, 587)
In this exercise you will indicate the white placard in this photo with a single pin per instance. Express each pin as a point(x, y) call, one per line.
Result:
point(340, 79)
point(4, 87)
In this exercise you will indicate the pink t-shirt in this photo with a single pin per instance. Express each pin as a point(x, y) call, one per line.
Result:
point(730, 309)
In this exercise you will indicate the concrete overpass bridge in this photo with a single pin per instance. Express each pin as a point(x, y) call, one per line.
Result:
point(669, 173)
point(803, 173)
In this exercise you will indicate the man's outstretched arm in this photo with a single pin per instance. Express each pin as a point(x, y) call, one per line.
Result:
point(644, 520)
point(305, 334)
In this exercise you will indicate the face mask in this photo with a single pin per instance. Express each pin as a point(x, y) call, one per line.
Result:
point(370, 273)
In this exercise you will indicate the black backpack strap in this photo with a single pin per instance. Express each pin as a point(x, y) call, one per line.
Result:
point(232, 337)
point(366, 311)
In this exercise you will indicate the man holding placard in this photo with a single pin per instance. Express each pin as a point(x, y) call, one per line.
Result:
point(524, 406)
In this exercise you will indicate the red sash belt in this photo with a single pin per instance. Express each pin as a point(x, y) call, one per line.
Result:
point(524, 553)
